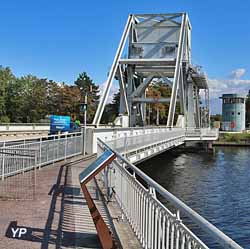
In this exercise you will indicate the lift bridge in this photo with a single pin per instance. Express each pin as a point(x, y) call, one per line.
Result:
point(159, 51)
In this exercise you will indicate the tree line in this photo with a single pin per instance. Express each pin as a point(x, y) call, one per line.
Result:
point(30, 99)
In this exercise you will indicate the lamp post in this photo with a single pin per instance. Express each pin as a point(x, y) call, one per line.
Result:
point(85, 122)
point(83, 109)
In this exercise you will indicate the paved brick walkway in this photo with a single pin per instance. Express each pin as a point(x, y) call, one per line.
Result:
point(57, 218)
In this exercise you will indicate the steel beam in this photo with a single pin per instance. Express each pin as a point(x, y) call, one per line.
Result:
point(123, 94)
point(171, 112)
point(150, 100)
point(141, 88)
point(112, 72)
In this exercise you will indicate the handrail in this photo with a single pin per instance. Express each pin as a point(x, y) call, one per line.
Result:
point(205, 225)
point(20, 149)
point(41, 137)
point(47, 151)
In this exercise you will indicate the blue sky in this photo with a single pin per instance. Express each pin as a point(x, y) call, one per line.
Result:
point(60, 39)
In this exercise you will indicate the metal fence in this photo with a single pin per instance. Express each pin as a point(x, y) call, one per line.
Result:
point(153, 223)
point(23, 184)
point(49, 150)
point(202, 132)
point(136, 142)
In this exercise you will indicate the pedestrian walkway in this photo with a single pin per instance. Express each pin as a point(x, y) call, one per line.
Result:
point(58, 217)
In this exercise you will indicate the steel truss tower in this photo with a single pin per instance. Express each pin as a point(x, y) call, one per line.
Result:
point(158, 48)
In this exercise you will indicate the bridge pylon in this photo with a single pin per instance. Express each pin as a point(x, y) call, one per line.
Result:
point(156, 48)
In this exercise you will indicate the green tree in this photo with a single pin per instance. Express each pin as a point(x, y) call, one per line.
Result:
point(27, 99)
point(16, 100)
point(111, 110)
point(6, 78)
point(87, 86)
point(69, 100)
point(53, 97)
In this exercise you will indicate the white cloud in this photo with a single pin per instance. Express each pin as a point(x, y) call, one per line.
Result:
point(218, 87)
point(232, 85)
point(237, 73)
point(114, 89)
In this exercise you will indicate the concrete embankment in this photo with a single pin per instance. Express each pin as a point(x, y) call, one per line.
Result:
point(226, 143)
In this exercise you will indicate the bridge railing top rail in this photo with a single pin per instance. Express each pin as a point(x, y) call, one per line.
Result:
point(24, 124)
point(205, 225)
point(117, 128)
point(132, 142)
point(20, 141)
point(202, 131)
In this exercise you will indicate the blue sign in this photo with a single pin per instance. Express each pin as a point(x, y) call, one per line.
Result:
point(59, 123)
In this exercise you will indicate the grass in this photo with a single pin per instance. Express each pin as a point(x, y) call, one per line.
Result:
point(235, 137)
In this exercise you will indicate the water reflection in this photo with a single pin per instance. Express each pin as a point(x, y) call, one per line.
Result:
point(216, 185)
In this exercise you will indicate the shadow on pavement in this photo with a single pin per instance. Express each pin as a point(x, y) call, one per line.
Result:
point(65, 197)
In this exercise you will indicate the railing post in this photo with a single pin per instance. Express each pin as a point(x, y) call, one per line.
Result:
point(125, 145)
point(152, 192)
point(40, 153)
point(23, 163)
point(54, 149)
point(34, 191)
point(74, 141)
point(106, 182)
point(47, 150)
point(3, 165)
point(58, 147)
point(65, 148)
point(84, 140)
point(83, 150)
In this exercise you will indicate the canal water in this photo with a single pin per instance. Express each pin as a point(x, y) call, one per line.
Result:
point(216, 185)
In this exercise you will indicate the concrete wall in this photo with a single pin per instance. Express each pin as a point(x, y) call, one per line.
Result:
point(23, 127)
point(233, 117)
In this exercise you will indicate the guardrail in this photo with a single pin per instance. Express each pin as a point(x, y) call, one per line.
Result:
point(153, 223)
point(23, 126)
point(108, 134)
point(135, 142)
point(52, 149)
point(16, 160)
point(9, 129)
point(141, 147)
point(21, 186)
point(202, 133)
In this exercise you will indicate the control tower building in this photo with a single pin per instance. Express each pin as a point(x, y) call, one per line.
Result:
point(233, 112)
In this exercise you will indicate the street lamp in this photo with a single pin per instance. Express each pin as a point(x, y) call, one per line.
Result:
point(84, 107)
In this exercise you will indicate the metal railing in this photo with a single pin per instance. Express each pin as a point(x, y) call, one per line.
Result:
point(49, 150)
point(136, 142)
point(16, 160)
point(20, 186)
point(152, 222)
point(202, 132)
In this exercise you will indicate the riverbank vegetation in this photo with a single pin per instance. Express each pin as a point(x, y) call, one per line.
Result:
point(235, 137)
